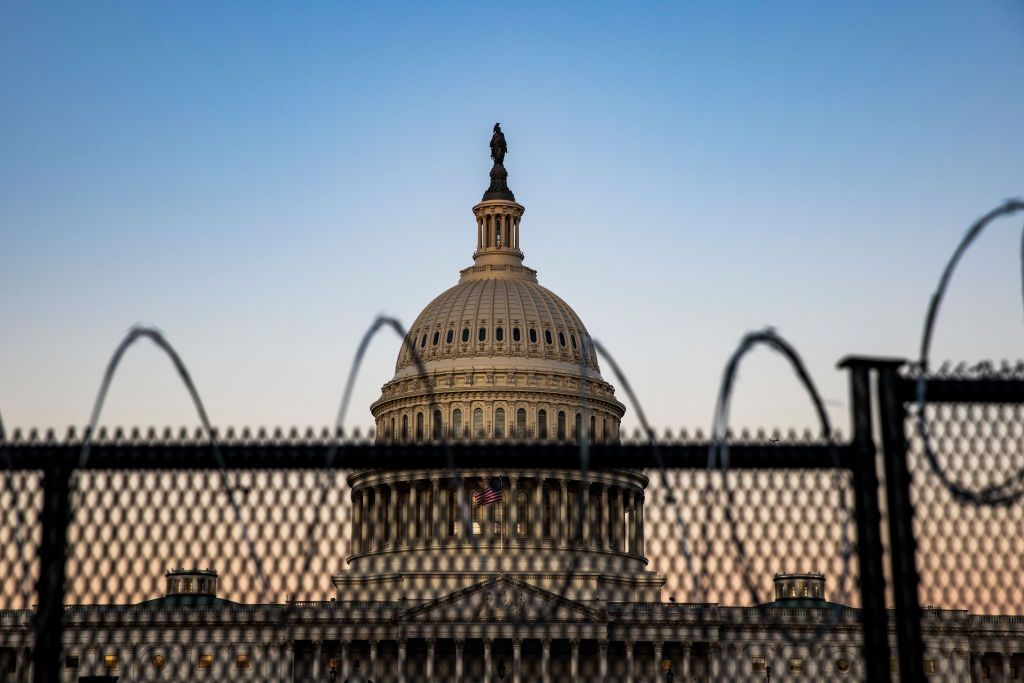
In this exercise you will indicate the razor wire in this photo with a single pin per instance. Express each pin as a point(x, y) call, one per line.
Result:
point(1011, 489)
point(718, 458)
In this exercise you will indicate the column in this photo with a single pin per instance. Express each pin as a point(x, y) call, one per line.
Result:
point(364, 521)
point(288, 652)
point(345, 644)
point(685, 669)
point(479, 232)
point(545, 662)
point(585, 511)
point(574, 664)
point(373, 660)
point(430, 659)
point(1004, 665)
point(377, 533)
point(413, 513)
point(517, 647)
point(715, 661)
point(629, 661)
point(461, 525)
point(657, 660)
point(960, 663)
point(487, 660)
point(563, 511)
point(620, 520)
point(393, 515)
point(435, 503)
point(538, 510)
point(604, 660)
point(640, 526)
point(513, 517)
point(401, 661)
point(605, 522)
point(458, 660)
point(317, 650)
point(976, 663)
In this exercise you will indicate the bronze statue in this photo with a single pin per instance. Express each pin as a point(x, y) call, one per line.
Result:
point(498, 146)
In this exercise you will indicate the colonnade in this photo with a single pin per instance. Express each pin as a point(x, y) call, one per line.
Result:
point(416, 513)
point(497, 230)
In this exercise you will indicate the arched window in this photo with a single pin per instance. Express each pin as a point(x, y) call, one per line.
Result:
point(499, 423)
point(465, 335)
point(572, 338)
point(521, 423)
point(604, 430)
point(593, 431)
point(499, 334)
point(561, 425)
point(391, 432)
point(450, 337)
point(457, 424)
point(547, 337)
point(542, 424)
point(419, 426)
point(577, 426)
point(405, 428)
point(561, 339)
point(515, 334)
point(481, 334)
point(423, 342)
point(533, 336)
point(478, 422)
point(437, 425)
point(437, 338)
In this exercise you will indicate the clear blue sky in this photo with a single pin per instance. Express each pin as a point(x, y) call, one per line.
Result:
point(259, 180)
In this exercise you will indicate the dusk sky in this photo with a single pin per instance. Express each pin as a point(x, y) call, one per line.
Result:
point(260, 181)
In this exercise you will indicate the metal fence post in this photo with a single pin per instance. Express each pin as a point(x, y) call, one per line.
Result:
point(902, 545)
point(50, 586)
point(874, 617)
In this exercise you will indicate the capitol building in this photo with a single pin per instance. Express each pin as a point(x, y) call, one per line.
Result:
point(515, 576)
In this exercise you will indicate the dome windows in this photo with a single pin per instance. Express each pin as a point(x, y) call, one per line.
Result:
point(515, 334)
point(542, 424)
point(561, 425)
point(465, 335)
point(437, 338)
point(561, 339)
point(499, 334)
point(533, 336)
point(572, 338)
point(547, 337)
point(450, 337)
point(423, 342)
point(457, 423)
point(481, 334)
point(499, 423)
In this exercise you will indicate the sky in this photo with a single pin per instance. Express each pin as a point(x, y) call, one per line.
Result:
point(259, 181)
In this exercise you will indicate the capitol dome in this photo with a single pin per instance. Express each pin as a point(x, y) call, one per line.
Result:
point(497, 357)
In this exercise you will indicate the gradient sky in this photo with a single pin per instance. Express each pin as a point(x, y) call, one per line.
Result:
point(259, 181)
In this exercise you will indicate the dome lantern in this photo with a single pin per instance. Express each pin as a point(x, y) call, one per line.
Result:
point(498, 214)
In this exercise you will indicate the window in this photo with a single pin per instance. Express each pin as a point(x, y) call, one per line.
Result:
point(796, 664)
point(499, 518)
point(604, 430)
point(573, 339)
point(188, 585)
point(593, 432)
point(561, 339)
point(243, 661)
point(757, 664)
point(499, 334)
point(547, 337)
point(481, 334)
point(423, 342)
point(8, 662)
point(465, 335)
point(542, 424)
point(499, 423)
point(158, 661)
point(533, 336)
point(456, 423)
point(497, 236)
point(110, 662)
point(842, 665)
point(71, 662)
point(437, 425)
point(521, 423)
point(405, 427)
point(561, 425)
point(515, 334)
point(206, 661)
point(478, 516)
point(419, 426)
point(478, 422)
point(522, 513)
point(929, 667)
point(450, 337)
point(577, 426)
point(391, 432)
point(437, 338)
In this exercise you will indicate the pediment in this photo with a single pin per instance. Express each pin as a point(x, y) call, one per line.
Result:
point(498, 599)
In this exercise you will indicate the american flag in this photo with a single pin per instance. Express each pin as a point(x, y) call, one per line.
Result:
point(491, 494)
